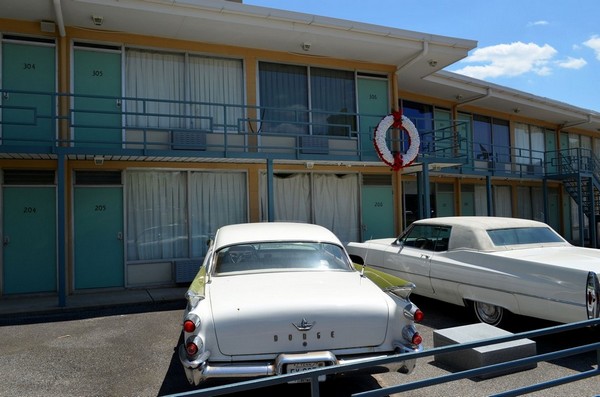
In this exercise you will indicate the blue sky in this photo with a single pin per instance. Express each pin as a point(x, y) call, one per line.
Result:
point(547, 48)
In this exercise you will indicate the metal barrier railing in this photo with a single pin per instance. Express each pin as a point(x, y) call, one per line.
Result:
point(314, 374)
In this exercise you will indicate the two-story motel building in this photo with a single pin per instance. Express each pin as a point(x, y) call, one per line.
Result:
point(131, 130)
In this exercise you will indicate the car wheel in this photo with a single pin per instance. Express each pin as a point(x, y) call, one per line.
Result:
point(488, 314)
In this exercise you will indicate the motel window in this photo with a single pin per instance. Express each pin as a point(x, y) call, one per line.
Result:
point(530, 144)
point(172, 90)
point(491, 141)
point(172, 214)
point(306, 100)
point(328, 200)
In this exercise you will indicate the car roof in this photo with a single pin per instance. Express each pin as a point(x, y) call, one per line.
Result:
point(245, 233)
point(470, 231)
point(482, 222)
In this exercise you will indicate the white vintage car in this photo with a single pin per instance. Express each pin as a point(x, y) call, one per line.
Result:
point(495, 265)
point(275, 298)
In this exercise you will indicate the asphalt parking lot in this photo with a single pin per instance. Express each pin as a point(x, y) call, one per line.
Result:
point(132, 353)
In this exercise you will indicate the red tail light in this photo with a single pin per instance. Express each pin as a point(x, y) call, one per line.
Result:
point(418, 316)
point(189, 326)
point(191, 349)
point(191, 323)
point(417, 339)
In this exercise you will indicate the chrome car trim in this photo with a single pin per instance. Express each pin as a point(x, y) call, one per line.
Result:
point(200, 370)
point(550, 299)
point(304, 325)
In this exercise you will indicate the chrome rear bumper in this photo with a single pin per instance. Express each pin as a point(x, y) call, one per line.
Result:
point(199, 369)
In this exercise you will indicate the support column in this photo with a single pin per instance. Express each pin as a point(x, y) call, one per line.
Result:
point(270, 195)
point(488, 189)
point(426, 192)
point(61, 231)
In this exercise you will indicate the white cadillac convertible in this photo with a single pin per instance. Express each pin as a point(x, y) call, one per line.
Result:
point(275, 298)
point(495, 265)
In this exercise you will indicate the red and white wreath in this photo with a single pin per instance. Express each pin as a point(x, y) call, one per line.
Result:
point(396, 160)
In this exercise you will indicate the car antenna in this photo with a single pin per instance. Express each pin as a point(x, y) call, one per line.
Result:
point(362, 271)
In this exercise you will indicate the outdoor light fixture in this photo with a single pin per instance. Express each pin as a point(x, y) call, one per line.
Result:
point(306, 46)
point(97, 20)
point(98, 160)
point(433, 63)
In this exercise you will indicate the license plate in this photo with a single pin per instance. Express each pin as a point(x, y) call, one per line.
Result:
point(294, 368)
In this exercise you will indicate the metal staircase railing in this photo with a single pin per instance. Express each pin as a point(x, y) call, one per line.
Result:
point(579, 169)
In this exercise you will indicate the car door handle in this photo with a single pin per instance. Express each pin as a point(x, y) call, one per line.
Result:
point(425, 256)
point(6, 241)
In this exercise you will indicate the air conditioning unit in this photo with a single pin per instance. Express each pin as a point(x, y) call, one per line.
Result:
point(188, 139)
point(186, 270)
point(313, 144)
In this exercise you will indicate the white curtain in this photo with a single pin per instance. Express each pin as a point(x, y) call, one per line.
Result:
point(328, 200)
point(156, 215)
point(481, 200)
point(216, 199)
point(502, 201)
point(537, 203)
point(159, 79)
point(291, 198)
point(336, 205)
point(218, 81)
point(524, 205)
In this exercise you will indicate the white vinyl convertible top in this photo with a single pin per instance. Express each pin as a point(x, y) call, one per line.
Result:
point(471, 231)
point(244, 233)
point(483, 222)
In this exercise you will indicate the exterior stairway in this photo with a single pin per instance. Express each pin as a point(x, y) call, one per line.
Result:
point(579, 171)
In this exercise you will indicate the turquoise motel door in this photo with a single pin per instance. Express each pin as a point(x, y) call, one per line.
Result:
point(97, 102)
point(27, 119)
point(372, 100)
point(29, 240)
point(98, 231)
point(377, 212)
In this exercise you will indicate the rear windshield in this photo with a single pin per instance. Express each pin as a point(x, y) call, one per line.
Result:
point(279, 256)
point(524, 235)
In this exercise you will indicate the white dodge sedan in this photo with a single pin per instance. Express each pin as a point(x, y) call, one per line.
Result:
point(495, 265)
point(275, 298)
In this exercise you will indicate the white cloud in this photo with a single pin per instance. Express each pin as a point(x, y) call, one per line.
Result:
point(594, 44)
point(572, 63)
point(538, 23)
point(509, 60)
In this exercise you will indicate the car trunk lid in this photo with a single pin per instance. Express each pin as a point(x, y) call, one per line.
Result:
point(295, 312)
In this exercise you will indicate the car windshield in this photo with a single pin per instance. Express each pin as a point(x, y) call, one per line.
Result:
point(524, 235)
point(281, 256)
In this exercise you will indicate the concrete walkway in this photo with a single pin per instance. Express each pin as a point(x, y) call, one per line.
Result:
point(21, 309)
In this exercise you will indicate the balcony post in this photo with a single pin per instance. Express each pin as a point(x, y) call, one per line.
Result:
point(61, 257)
point(270, 195)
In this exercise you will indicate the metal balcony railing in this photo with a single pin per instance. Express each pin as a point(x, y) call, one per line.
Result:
point(41, 122)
